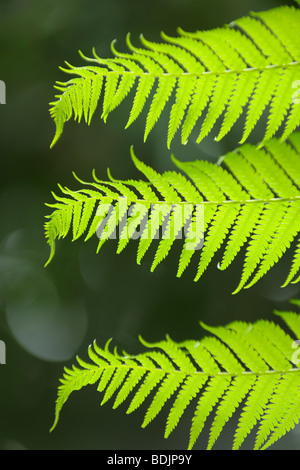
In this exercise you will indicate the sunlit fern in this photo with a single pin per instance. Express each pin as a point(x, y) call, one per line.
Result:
point(250, 64)
point(252, 201)
point(253, 365)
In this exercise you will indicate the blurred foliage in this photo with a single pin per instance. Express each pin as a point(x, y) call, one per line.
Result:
point(49, 315)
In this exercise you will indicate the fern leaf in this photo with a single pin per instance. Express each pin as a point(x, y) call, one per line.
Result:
point(249, 65)
point(242, 367)
point(251, 201)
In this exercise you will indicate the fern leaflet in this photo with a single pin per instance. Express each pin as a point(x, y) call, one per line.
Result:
point(252, 201)
point(246, 362)
point(250, 64)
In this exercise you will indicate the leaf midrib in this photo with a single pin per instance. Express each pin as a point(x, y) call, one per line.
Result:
point(187, 373)
point(194, 203)
point(173, 74)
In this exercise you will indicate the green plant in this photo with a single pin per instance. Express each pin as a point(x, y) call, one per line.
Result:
point(253, 62)
point(258, 201)
point(242, 359)
point(250, 199)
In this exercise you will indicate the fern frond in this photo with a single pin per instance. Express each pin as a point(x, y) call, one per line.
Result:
point(251, 201)
point(243, 365)
point(250, 65)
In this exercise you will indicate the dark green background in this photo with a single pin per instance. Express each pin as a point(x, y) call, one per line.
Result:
point(47, 316)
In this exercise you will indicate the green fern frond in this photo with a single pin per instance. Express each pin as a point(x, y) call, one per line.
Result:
point(245, 365)
point(250, 64)
point(251, 201)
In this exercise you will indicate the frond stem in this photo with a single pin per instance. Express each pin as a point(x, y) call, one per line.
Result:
point(192, 74)
point(219, 203)
point(221, 373)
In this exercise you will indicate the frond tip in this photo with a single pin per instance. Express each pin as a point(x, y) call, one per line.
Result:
point(249, 65)
point(251, 201)
point(248, 366)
